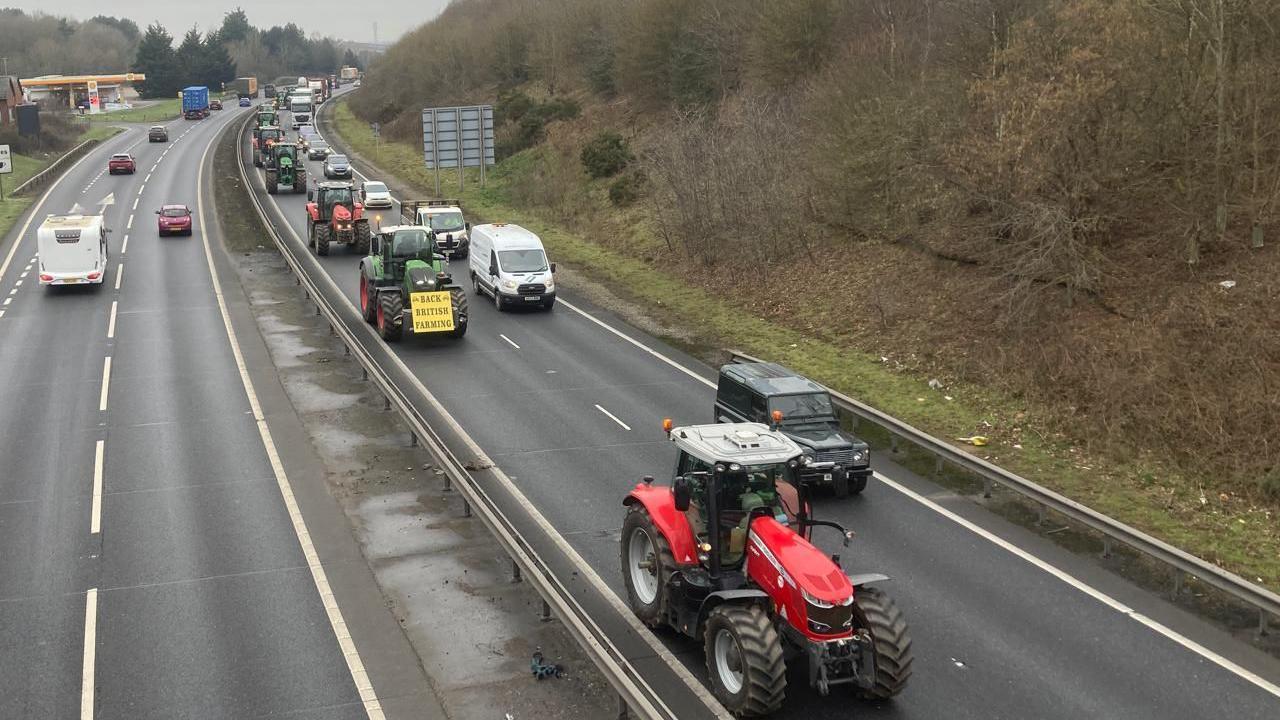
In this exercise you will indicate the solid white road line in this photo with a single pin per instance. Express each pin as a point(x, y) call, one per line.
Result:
point(614, 418)
point(1089, 590)
point(509, 341)
point(90, 653)
point(369, 699)
point(119, 274)
point(106, 383)
point(95, 510)
point(111, 324)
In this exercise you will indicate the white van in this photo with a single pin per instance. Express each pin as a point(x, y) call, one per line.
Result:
point(510, 264)
point(73, 249)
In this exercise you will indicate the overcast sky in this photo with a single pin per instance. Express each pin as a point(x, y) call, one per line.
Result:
point(341, 19)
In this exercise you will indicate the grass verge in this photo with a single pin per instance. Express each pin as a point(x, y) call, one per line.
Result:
point(1236, 534)
point(159, 111)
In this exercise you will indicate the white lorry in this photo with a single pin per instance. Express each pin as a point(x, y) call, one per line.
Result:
point(73, 250)
point(301, 106)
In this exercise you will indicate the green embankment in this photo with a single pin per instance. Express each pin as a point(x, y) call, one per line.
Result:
point(23, 168)
point(1245, 540)
point(160, 111)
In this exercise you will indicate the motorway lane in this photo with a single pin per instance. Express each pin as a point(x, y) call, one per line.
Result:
point(994, 636)
point(205, 606)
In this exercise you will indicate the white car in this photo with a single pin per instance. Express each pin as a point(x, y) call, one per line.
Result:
point(376, 194)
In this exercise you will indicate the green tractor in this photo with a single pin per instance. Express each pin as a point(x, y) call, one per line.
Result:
point(284, 168)
point(264, 136)
point(406, 286)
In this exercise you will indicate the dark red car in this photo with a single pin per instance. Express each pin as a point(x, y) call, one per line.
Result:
point(122, 163)
point(174, 220)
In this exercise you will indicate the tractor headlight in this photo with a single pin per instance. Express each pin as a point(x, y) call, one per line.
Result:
point(825, 618)
point(816, 602)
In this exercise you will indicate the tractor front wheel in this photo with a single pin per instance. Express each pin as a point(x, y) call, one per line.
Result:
point(322, 239)
point(367, 308)
point(390, 309)
point(362, 237)
point(459, 312)
point(270, 181)
point(744, 659)
point(877, 612)
point(647, 563)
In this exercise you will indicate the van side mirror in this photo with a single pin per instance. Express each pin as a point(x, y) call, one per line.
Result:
point(468, 226)
point(683, 493)
point(157, 212)
point(553, 268)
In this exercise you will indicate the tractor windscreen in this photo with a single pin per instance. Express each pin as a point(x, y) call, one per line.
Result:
point(338, 196)
point(522, 261)
point(807, 405)
point(410, 243)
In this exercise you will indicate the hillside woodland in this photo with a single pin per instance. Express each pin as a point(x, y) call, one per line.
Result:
point(1073, 202)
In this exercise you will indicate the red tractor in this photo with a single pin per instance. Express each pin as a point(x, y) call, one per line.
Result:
point(335, 215)
point(723, 555)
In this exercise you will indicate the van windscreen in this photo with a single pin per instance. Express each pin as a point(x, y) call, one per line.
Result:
point(522, 261)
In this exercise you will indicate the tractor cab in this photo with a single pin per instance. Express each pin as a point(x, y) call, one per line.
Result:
point(397, 245)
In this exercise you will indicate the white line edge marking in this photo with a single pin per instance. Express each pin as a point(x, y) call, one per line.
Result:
point(585, 571)
point(1098, 595)
point(90, 653)
point(1083, 587)
point(119, 274)
point(106, 383)
point(614, 418)
point(372, 708)
point(95, 511)
point(509, 341)
point(35, 210)
point(111, 324)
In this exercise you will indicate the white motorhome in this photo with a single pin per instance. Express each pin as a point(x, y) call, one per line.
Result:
point(510, 264)
point(73, 249)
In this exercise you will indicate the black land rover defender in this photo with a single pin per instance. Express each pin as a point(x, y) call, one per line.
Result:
point(755, 392)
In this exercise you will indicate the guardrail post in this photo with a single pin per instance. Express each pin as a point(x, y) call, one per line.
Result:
point(893, 444)
point(986, 487)
point(466, 508)
point(364, 373)
point(1106, 546)
point(413, 439)
point(386, 403)
point(937, 466)
point(1263, 631)
point(515, 571)
point(546, 611)
point(448, 484)
point(623, 710)
point(346, 350)
point(1177, 583)
point(1039, 514)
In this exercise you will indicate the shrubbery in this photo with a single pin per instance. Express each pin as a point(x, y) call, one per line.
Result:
point(521, 121)
point(606, 155)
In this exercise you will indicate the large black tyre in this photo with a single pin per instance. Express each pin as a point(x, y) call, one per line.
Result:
point(362, 235)
point(368, 300)
point(549, 304)
point(646, 586)
point(270, 181)
point(858, 484)
point(323, 232)
point(876, 611)
point(460, 314)
point(300, 181)
point(744, 659)
point(390, 310)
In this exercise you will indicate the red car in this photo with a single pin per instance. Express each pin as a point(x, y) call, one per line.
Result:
point(122, 163)
point(174, 220)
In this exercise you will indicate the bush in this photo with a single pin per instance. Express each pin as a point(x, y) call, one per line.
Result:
point(523, 121)
point(57, 133)
point(606, 155)
point(626, 189)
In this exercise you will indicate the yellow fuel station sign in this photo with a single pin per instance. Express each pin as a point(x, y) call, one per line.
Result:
point(432, 311)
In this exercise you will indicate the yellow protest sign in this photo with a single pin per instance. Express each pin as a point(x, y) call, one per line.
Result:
point(432, 311)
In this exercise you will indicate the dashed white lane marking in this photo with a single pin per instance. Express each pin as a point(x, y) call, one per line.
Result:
point(140, 189)
point(509, 341)
point(119, 274)
point(106, 383)
point(13, 291)
point(19, 282)
point(129, 225)
point(8, 300)
point(90, 653)
point(124, 246)
point(368, 698)
point(613, 418)
point(147, 178)
point(25, 272)
point(111, 324)
point(1, 313)
point(95, 511)
point(136, 201)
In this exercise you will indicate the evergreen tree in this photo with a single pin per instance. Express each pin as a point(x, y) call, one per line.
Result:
point(217, 67)
point(349, 59)
point(156, 59)
point(191, 59)
point(235, 26)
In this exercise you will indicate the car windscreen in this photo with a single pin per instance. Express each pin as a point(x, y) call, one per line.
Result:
point(319, 144)
point(447, 222)
point(337, 159)
point(118, 157)
point(175, 212)
point(802, 405)
point(375, 187)
point(522, 261)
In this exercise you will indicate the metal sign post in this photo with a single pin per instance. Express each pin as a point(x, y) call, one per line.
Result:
point(6, 166)
point(458, 137)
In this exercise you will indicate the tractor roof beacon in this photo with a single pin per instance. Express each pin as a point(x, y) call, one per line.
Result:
point(723, 554)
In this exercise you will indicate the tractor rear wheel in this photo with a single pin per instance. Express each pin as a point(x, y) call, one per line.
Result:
point(322, 239)
point(362, 237)
point(744, 659)
point(459, 312)
point(368, 310)
point(390, 309)
point(876, 611)
point(647, 563)
point(270, 181)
